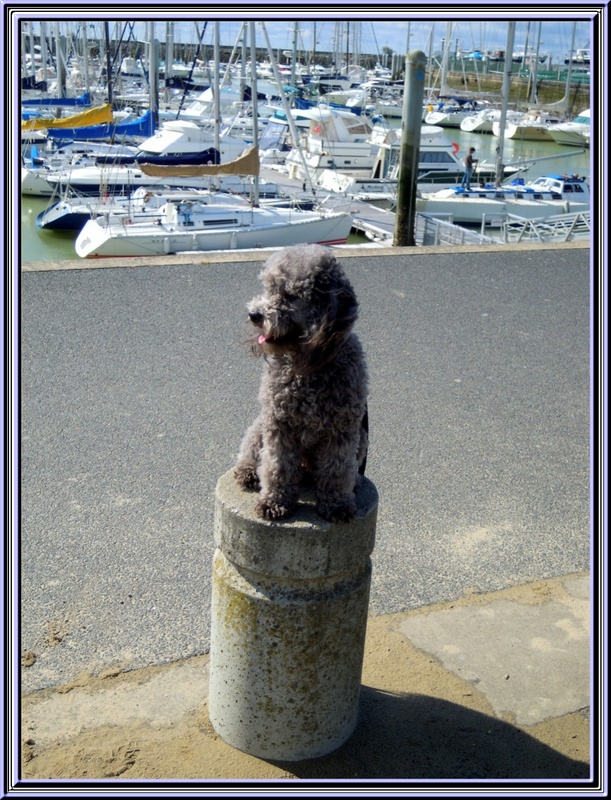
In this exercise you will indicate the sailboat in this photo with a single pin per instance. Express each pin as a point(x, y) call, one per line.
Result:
point(534, 125)
point(193, 226)
point(575, 133)
point(141, 128)
point(451, 112)
point(546, 196)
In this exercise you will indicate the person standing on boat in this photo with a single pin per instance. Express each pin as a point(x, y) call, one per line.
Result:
point(470, 162)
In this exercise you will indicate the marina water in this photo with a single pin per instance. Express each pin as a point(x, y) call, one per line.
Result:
point(44, 245)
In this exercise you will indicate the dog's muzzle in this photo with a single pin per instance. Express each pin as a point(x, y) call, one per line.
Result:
point(256, 317)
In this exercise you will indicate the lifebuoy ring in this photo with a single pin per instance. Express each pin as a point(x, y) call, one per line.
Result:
point(455, 148)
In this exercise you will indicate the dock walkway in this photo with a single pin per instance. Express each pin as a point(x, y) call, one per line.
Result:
point(376, 223)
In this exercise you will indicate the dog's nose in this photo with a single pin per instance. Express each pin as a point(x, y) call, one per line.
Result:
point(255, 317)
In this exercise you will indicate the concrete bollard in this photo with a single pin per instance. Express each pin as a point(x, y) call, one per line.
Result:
point(289, 614)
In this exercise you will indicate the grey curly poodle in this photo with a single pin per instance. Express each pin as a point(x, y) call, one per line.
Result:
point(313, 395)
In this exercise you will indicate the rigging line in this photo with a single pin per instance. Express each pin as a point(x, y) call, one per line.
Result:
point(195, 57)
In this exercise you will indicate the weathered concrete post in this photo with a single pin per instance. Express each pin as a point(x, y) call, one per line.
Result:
point(289, 614)
point(411, 124)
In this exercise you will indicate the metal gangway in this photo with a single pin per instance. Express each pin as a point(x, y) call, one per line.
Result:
point(440, 230)
point(558, 228)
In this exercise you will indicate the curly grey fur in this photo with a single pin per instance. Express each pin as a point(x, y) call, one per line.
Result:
point(313, 394)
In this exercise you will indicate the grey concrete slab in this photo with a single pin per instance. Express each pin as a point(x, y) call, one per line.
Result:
point(160, 700)
point(530, 660)
point(136, 388)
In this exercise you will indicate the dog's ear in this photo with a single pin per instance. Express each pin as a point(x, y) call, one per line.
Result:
point(340, 311)
point(346, 307)
point(335, 291)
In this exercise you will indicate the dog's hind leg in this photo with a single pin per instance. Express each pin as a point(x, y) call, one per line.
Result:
point(336, 474)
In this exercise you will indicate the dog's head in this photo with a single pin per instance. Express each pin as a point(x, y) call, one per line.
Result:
point(307, 308)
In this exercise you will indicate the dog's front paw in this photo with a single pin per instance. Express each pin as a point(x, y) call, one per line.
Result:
point(342, 511)
point(268, 509)
point(246, 476)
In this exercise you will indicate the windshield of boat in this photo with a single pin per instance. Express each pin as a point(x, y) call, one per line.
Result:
point(437, 157)
point(273, 135)
point(331, 128)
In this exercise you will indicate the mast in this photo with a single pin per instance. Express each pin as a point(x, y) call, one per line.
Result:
point(168, 70)
point(443, 89)
point(243, 59)
point(287, 110)
point(533, 71)
point(153, 66)
point(83, 27)
point(108, 67)
point(216, 94)
point(347, 44)
point(255, 105)
point(567, 92)
point(294, 57)
point(525, 53)
point(511, 30)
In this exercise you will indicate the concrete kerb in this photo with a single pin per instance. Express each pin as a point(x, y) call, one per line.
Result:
point(233, 256)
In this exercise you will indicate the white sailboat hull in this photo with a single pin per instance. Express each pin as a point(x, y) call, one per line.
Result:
point(238, 230)
point(476, 124)
point(547, 196)
point(574, 137)
point(575, 133)
point(34, 182)
point(475, 210)
point(93, 180)
point(532, 133)
point(447, 119)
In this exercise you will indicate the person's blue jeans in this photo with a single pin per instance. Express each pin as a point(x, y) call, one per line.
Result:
point(466, 178)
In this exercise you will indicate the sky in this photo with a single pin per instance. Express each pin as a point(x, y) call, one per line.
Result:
point(374, 35)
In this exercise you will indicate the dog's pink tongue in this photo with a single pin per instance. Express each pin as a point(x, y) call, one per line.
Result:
point(261, 339)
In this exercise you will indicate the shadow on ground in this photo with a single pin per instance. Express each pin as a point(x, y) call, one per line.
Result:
point(415, 736)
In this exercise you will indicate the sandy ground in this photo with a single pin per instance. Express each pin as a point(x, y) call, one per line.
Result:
point(443, 727)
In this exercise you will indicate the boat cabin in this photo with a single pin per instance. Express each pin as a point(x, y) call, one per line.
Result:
point(334, 126)
point(547, 187)
point(561, 185)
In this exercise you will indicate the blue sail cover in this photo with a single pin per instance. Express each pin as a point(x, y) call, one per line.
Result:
point(84, 100)
point(143, 126)
point(204, 157)
point(305, 104)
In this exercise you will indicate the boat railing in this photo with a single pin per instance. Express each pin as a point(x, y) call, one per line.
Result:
point(559, 228)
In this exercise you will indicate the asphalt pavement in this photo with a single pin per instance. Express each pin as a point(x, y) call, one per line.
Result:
point(137, 385)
